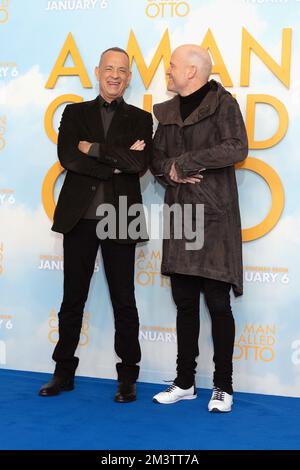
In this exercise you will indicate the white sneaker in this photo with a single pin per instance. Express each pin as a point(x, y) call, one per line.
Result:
point(220, 401)
point(174, 394)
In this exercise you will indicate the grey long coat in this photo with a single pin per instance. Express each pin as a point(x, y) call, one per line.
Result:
point(213, 138)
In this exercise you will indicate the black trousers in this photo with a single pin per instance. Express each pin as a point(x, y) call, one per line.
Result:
point(186, 294)
point(80, 250)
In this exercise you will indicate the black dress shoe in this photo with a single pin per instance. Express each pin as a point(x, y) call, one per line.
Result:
point(126, 392)
point(56, 385)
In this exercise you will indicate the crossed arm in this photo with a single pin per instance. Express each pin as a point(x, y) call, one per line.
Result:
point(110, 158)
point(85, 147)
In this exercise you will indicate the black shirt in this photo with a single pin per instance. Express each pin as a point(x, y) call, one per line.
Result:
point(104, 189)
point(107, 112)
point(189, 103)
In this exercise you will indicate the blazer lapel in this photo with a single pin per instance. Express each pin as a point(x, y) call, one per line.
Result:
point(94, 121)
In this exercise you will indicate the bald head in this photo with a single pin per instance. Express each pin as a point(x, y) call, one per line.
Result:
point(190, 68)
point(196, 56)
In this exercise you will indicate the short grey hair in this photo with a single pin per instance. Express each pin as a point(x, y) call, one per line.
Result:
point(114, 49)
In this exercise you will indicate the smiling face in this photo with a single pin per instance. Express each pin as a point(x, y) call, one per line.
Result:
point(113, 75)
point(190, 68)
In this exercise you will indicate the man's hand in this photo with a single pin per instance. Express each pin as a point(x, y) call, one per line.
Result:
point(189, 179)
point(84, 146)
point(138, 145)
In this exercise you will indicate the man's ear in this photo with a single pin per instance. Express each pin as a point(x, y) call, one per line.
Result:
point(192, 71)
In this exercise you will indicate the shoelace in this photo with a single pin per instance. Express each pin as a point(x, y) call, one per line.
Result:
point(171, 388)
point(218, 394)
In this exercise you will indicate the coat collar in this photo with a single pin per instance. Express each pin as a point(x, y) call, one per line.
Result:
point(169, 111)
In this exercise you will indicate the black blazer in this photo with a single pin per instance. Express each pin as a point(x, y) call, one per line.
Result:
point(82, 121)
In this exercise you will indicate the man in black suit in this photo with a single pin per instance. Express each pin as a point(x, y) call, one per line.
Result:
point(104, 145)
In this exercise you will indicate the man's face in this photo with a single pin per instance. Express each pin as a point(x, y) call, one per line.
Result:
point(113, 75)
point(177, 73)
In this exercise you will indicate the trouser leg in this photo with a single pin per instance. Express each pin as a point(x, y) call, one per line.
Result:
point(118, 262)
point(80, 250)
point(217, 295)
point(186, 295)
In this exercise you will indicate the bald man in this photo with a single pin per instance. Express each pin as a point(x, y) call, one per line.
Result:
point(200, 137)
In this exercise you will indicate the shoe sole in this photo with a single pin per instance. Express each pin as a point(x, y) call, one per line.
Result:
point(65, 389)
point(124, 401)
point(192, 397)
point(216, 410)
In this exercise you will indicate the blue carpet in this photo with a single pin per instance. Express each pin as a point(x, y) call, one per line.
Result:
point(88, 418)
